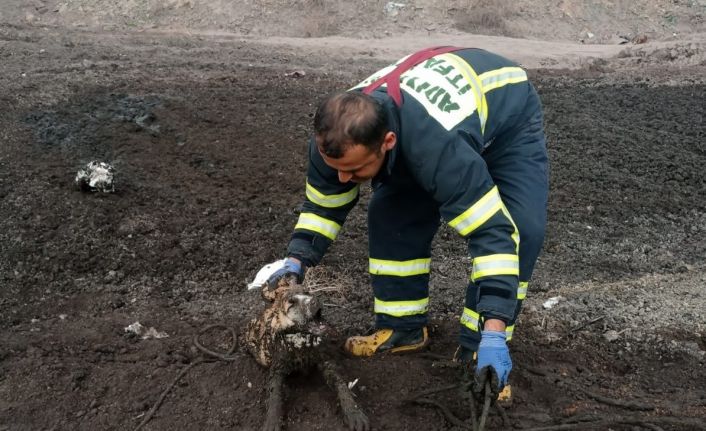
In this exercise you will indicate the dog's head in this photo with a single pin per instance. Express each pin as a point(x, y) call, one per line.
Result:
point(291, 320)
point(292, 308)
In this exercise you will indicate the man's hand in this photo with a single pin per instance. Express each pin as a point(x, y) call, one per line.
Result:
point(493, 360)
point(292, 267)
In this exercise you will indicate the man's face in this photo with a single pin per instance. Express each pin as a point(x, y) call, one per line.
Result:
point(358, 164)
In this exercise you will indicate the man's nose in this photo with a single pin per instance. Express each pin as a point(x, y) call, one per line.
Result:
point(344, 177)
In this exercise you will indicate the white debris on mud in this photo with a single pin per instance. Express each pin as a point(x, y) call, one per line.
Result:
point(352, 384)
point(96, 177)
point(551, 302)
point(138, 329)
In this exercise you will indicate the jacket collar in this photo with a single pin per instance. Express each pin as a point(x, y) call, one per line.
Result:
point(393, 120)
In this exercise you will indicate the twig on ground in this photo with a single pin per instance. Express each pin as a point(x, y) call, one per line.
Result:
point(325, 289)
point(161, 398)
point(590, 322)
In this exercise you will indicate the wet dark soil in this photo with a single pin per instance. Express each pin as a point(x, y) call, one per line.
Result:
point(208, 144)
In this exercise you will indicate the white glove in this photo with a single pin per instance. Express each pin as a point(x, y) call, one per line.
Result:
point(264, 273)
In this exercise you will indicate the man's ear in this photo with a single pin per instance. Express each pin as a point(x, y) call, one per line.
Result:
point(389, 141)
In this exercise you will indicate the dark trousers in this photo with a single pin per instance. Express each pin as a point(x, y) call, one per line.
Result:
point(403, 219)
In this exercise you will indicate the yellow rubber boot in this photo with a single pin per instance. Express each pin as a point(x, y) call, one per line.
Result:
point(387, 340)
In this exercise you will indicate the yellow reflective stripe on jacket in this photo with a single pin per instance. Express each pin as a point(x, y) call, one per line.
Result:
point(400, 268)
point(331, 201)
point(470, 319)
point(508, 332)
point(515, 233)
point(522, 290)
point(478, 213)
point(471, 77)
point(401, 308)
point(318, 224)
point(495, 264)
point(501, 77)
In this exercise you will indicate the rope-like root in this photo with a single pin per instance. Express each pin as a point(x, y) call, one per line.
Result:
point(218, 355)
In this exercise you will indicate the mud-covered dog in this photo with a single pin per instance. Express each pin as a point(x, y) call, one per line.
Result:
point(286, 337)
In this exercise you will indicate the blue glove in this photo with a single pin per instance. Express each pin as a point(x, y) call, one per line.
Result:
point(493, 353)
point(290, 268)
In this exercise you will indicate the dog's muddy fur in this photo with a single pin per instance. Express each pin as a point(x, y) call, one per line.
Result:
point(287, 337)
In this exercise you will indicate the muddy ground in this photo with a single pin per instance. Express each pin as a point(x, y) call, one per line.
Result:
point(207, 136)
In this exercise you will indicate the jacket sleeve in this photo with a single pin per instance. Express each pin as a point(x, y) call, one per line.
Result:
point(453, 172)
point(327, 204)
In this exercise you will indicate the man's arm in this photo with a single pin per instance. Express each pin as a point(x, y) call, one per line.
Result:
point(326, 207)
point(494, 325)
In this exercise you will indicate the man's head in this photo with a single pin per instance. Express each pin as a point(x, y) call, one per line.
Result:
point(352, 135)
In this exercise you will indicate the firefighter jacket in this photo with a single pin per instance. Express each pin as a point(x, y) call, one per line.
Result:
point(455, 106)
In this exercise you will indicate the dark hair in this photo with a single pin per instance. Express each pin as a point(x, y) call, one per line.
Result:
point(345, 119)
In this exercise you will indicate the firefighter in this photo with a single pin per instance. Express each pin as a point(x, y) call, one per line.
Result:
point(447, 133)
